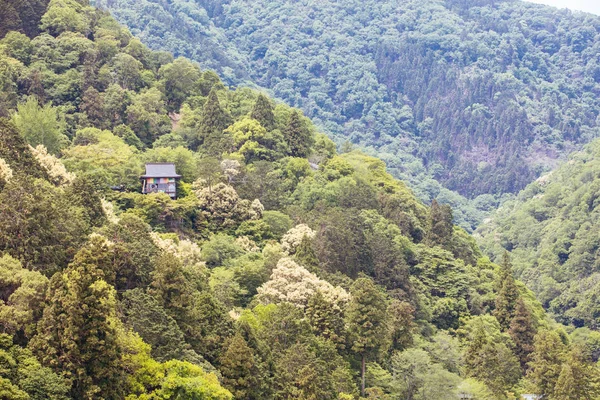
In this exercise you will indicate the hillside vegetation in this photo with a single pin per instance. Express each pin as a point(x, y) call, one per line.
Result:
point(478, 96)
point(552, 231)
point(283, 270)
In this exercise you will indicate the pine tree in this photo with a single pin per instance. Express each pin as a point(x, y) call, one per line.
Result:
point(366, 321)
point(298, 136)
point(440, 225)
point(263, 112)
point(214, 122)
point(522, 331)
point(238, 366)
point(76, 335)
point(546, 362)
point(507, 294)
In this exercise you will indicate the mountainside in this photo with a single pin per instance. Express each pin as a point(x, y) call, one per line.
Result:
point(283, 270)
point(551, 229)
point(480, 96)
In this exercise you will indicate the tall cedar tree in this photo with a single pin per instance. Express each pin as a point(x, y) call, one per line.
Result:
point(214, 122)
point(546, 362)
point(238, 366)
point(366, 321)
point(507, 294)
point(262, 357)
point(263, 112)
point(522, 331)
point(305, 254)
point(76, 335)
point(326, 320)
point(491, 362)
point(440, 225)
point(82, 193)
point(578, 378)
point(298, 136)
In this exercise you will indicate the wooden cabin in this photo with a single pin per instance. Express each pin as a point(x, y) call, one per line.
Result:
point(160, 178)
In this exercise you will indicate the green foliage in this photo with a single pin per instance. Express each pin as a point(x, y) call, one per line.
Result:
point(246, 276)
point(40, 125)
point(551, 231)
point(22, 294)
point(39, 225)
point(76, 335)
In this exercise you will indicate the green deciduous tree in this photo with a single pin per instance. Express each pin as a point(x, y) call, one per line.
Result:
point(40, 125)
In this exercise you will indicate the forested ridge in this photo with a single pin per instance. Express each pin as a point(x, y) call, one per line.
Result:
point(284, 269)
point(551, 229)
point(480, 97)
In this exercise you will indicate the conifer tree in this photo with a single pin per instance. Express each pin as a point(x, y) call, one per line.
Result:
point(490, 361)
point(297, 136)
point(214, 121)
point(15, 151)
point(522, 331)
point(77, 336)
point(440, 225)
point(238, 366)
point(546, 362)
point(263, 112)
point(262, 357)
point(305, 253)
point(578, 378)
point(507, 294)
point(82, 193)
point(366, 321)
point(326, 319)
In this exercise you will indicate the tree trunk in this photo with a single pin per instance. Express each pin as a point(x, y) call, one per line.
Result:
point(362, 385)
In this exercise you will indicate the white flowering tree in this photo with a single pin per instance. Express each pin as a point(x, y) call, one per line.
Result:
point(294, 284)
point(292, 239)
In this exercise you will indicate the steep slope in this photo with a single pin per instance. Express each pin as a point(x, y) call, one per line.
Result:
point(480, 96)
point(283, 270)
point(551, 229)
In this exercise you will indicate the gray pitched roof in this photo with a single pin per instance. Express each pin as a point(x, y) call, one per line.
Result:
point(160, 170)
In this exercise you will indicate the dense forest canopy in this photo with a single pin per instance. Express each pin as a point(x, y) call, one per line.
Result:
point(481, 97)
point(551, 229)
point(284, 269)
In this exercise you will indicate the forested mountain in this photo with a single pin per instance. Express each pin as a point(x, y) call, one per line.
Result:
point(283, 270)
point(552, 231)
point(481, 96)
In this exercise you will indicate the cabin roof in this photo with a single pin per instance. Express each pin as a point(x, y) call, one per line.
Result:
point(160, 170)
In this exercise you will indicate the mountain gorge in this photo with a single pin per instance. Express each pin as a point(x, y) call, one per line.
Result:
point(479, 98)
point(551, 230)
